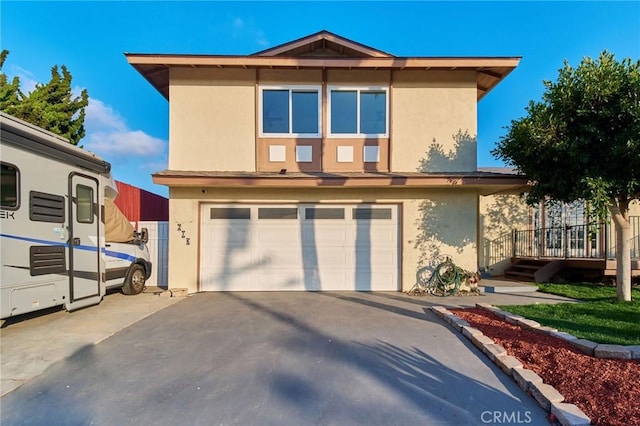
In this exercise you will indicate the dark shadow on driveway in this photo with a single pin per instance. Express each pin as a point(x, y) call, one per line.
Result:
point(272, 359)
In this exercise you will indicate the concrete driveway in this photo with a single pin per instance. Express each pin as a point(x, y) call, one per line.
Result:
point(278, 359)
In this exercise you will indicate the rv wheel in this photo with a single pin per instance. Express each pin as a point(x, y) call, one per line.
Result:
point(134, 282)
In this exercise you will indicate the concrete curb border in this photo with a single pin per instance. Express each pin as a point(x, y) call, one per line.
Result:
point(545, 395)
point(596, 350)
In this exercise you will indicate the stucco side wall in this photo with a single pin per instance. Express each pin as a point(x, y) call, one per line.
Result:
point(432, 223)
point(212, 119)
point(434, 121)
point(288, 77)
point(499, 215)
point(502, 213)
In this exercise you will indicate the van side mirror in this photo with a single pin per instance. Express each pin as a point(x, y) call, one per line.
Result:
point(144, 237)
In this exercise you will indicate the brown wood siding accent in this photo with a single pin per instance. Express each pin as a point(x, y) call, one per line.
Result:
point(330, 155)
point(324, 113)
point(258, 111)
point(290, 163)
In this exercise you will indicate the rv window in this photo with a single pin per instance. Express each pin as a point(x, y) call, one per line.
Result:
point(9, 187)
point(84, 210)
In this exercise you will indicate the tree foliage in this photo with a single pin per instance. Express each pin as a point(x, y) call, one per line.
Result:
point(582, 140)
point(10, 95)
point(51, 105)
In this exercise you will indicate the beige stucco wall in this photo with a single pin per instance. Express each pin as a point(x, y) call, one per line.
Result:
point(288, 77)
point(499, 215)
point(212, 116)
point(212, 119)
point(432, 223)
point(433, 107)
point(502, 213)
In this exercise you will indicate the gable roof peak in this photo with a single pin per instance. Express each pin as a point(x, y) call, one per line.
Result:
point(324, 43)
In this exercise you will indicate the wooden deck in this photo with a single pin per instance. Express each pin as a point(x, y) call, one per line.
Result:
point(542, 269)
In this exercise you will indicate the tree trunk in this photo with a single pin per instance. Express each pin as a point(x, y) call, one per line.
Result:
point(620, 214)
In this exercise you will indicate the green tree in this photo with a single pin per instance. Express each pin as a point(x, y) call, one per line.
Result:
point(582, 141)
point(51, 106)
point(10, 95)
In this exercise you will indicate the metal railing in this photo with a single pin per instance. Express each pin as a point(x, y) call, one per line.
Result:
point(567, 242)
point(635, 239)
point(495, 251)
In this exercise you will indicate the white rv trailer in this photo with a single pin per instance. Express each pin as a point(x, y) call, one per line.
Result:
point(52, 225)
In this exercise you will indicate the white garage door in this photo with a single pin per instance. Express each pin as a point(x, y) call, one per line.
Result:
point(299, 247)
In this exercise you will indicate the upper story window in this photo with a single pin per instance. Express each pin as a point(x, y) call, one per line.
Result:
point(358, 111)
point(290, 111)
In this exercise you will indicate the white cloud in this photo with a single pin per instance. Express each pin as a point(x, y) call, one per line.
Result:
point(124, 144)
point(155, 166)
point(243, 28)
point(101, 116)
point(261, 39)
point(109, 136)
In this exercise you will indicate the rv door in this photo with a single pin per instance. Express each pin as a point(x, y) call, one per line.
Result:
point(84, 242)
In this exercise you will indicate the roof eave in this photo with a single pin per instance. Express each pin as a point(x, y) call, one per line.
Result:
point(495, 67)
point(490, 184)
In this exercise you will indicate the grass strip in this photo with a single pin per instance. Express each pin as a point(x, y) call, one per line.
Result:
point(599, 318)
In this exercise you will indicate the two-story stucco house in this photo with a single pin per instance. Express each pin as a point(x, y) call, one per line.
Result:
point(321, 164)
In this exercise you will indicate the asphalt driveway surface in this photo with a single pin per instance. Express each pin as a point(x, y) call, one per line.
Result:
point(277, 359)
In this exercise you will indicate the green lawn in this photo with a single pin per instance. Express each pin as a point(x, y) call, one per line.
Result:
point(600, 318)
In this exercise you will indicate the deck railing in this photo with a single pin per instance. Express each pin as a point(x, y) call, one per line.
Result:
point(567, 242)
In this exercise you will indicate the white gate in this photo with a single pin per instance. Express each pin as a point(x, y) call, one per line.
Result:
point(159, 252)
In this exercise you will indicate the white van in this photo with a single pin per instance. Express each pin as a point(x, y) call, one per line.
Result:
point(56, 244)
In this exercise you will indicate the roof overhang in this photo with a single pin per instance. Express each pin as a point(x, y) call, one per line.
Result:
point(490, 70)
point(484, 183)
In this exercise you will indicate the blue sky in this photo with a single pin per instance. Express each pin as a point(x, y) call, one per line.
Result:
point(127, 120)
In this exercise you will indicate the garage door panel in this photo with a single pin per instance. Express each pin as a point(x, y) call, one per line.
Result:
point(226, 282)
point(322, 236)
point(380, 281)
point(322, 251)
point(278, 257)
point(278, 235)
point(375, 257)
point(335, 280)
point(376, 236)
point(327, 258)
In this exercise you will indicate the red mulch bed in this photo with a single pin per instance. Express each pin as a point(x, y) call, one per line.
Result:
point(606, 390)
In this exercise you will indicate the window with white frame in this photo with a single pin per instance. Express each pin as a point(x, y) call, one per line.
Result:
point(290, 111)
point(358, 111)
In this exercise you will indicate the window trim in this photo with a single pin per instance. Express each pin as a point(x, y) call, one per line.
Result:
point(315, 88)
point(18, 197)
point(359, 90)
